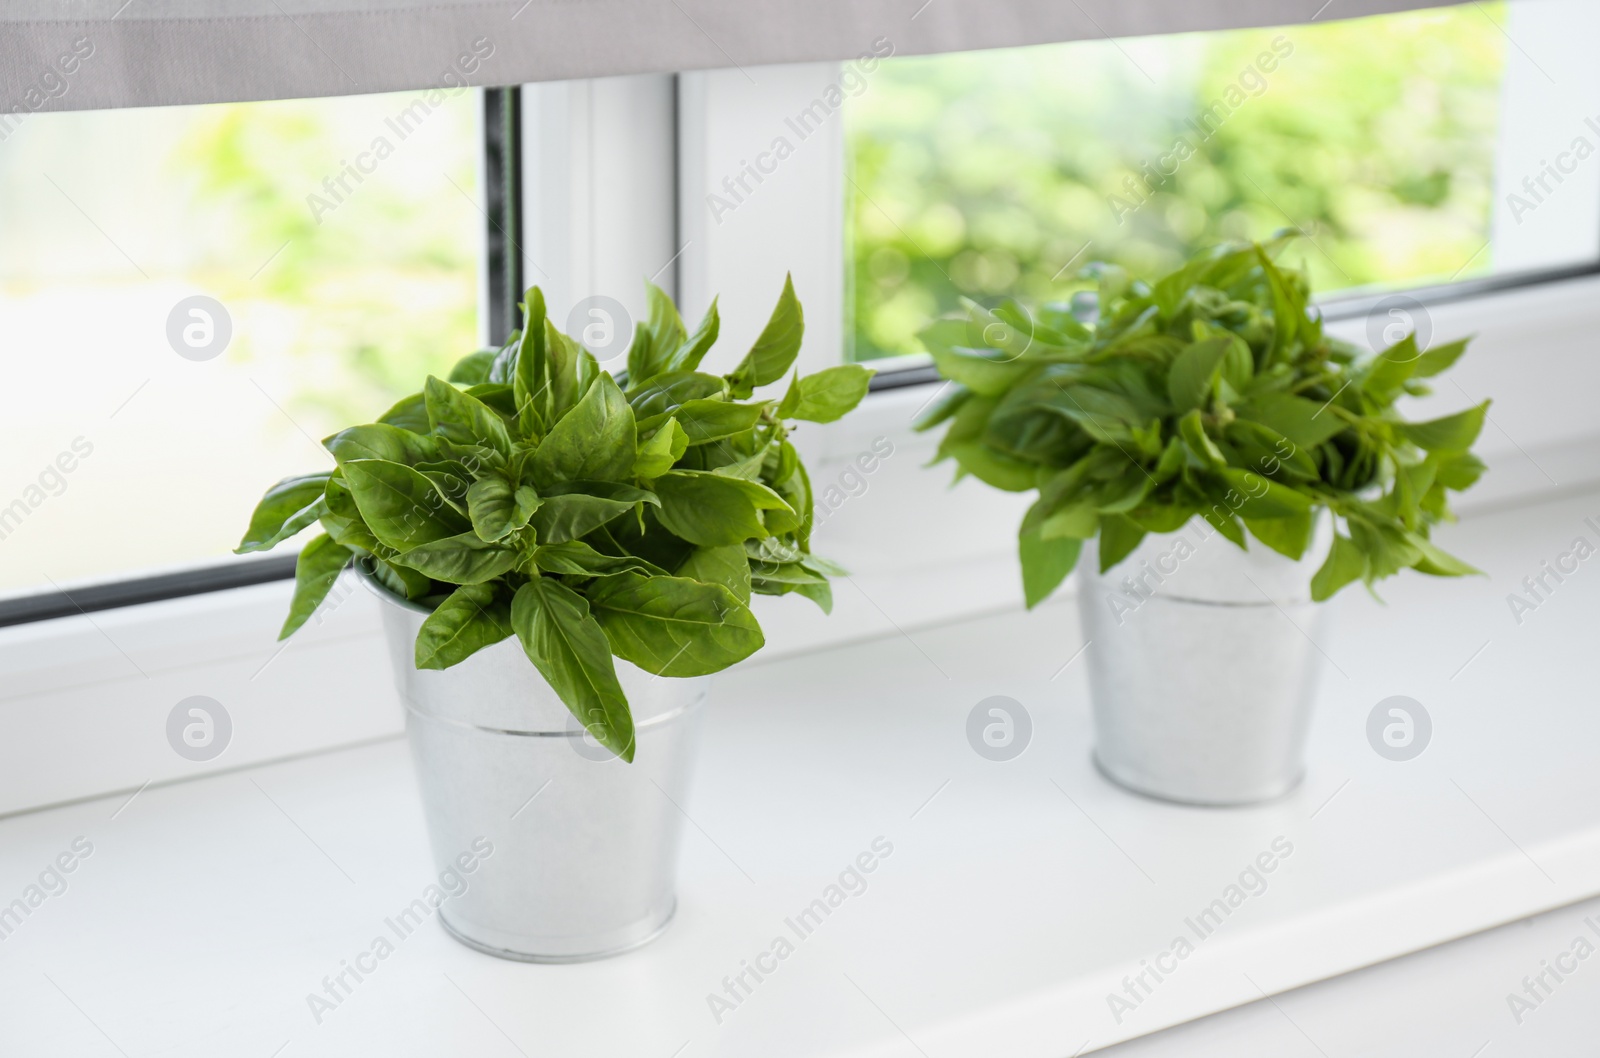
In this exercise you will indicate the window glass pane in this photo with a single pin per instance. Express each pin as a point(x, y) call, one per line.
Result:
point(333, 247)
point(1385, 139)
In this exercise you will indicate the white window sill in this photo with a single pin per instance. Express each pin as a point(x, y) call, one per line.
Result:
point(1016, 899)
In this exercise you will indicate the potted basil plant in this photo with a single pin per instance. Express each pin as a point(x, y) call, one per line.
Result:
point(1215, 465)
point(560, 551)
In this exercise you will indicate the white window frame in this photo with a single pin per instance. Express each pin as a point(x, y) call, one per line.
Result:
point(618, 175)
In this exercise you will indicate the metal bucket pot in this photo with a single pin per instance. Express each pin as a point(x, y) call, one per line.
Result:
point(1202, 665)
point(584, 846)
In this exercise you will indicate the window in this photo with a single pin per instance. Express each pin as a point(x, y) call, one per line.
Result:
point(1398, 144)
point(345, 246)
point(192, 297)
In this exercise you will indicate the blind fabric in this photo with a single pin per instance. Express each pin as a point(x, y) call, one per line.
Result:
point(121, 53)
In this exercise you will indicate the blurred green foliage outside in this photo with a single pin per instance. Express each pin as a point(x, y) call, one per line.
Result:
point(994, 173)
point(374, 285)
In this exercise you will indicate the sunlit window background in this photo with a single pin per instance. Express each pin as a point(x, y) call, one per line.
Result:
point(342, 238)
point(1002, 172)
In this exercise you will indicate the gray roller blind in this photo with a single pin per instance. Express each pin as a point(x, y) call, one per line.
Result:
point(87, 54)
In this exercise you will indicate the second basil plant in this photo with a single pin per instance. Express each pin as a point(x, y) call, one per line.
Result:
point(533, 494)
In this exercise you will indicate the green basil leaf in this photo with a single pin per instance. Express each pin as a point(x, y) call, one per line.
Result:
point(1459, 470)
point(712, 510)
point(821, 594)
point(399, 581)
point(577, 558)
point(1238, 366)
point(827, 395)
point(1453, 433)
point(1345, 563)
point(1388, 550)
point(531, 381)
point(570, 650)
point(704, 421)
point(795, 488)
point(664, 448)
point(401, 507)
point(1304, 422)
point(409, 413)
point(1263, 449)
point(1119, 535)
point(770, 551)
point(1224, 523)
point(572, 369)
point(776, 348)
point(288, 507)
point(655, 340)
point(674, 626)
point(1439, 358)
point(498, 508)
point(1263, 497)
point(1045, 564)
point(504, 369)
point(461, 559)
point(473, 369)
point(789, 573)
point(1192, 378)
point(1199, 442)
point(500, 398)
point(1384, 375)
point(993, 468)
point(343, 520)
point(654, 399)
point(728, 566)
point(687, 356)
point(1105, 416)
point(315, 571)
point(381, 441)
point(988, 374)
point(474, 616)
point(463, 419)
point(1161, 519)
point(596, 441)
point(566, 516)
point(1288, 536)
point(826, 567)
point(1438, 563)
point(1288, 307)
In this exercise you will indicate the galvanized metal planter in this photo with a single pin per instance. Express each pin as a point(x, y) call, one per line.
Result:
point(1202, 665)
point(585, 846)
